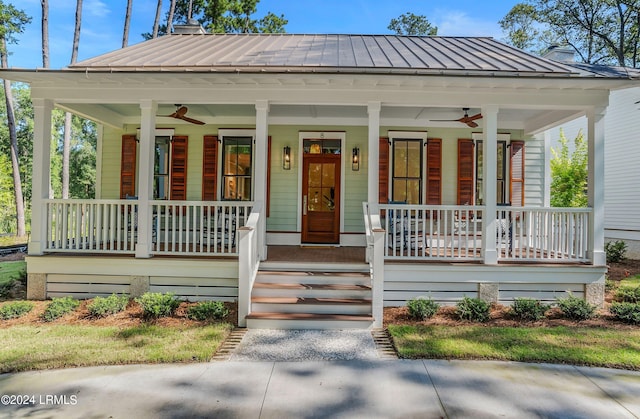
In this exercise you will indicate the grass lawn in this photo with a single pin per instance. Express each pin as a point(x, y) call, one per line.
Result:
point(29, 347)
point(10, 271)
point(571, 345)
point(631, 281)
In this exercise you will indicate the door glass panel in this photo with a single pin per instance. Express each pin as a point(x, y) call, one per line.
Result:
point(315, 199)
point(315, 175)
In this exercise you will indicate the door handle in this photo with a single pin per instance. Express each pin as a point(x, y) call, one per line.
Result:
point(304, 205)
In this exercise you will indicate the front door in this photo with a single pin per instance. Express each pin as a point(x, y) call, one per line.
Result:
point(321, 196)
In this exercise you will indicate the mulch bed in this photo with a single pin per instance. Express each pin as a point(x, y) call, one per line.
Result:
point(500, 316)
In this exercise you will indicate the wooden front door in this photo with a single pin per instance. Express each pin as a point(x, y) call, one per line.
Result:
point(321, 198)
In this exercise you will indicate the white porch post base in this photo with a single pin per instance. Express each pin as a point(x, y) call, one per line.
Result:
point(599, 258)
point(490, 257)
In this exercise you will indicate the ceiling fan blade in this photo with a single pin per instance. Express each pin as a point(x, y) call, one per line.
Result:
point(471, 124)
point(474, 117)
point(193, 121)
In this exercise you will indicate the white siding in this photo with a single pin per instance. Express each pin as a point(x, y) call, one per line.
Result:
point(534, 172)
point(622, 167)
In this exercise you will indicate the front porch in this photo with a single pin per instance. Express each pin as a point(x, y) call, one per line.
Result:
point(215, 250)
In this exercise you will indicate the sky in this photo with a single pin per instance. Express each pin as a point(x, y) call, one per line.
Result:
point(103, 22)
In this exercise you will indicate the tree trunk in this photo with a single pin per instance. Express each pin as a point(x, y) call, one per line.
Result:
point(172, 9)
point(66, 146)
point(45, 33)
point(156, 22)
point(21, 229)
point(127, 21)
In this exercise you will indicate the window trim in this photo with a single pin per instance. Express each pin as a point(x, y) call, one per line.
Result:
point(222, 133)
point(408, 135)
point(505, 139)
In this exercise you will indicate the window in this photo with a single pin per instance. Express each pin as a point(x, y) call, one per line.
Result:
point(500, 174)
point(161, 168)
point(407, 171)
point(236, 168)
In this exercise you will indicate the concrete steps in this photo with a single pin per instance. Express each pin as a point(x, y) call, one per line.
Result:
point(311, 297)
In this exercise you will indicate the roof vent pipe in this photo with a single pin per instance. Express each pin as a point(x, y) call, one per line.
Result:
point(563, 54)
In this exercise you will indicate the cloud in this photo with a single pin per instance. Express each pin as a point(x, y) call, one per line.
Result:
point(96, 8)
point(456, 23)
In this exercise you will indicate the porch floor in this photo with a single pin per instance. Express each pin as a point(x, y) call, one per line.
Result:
point(328, 254)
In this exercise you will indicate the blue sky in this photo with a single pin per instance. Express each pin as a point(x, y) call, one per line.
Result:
point(103, 20)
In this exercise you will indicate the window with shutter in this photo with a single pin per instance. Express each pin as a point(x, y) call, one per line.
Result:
point(516, 173)
point(209, 167)
point(466, 158)
point(383, 168)
point(128, 166)
point(434, 171)
point(178, 188)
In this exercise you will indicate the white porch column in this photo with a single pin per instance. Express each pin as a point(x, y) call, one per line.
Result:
point(41, 173)
point(373, 109)
point(148, 110)
point(595, 135)
point(489, 174)
point(260, 194)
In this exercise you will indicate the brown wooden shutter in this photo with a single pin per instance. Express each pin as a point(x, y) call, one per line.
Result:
point(128, 166)
point(383, 171)
point(209, 167)
point(516, 173)
point(434, 172)
point(465, 172)
point(178, 182)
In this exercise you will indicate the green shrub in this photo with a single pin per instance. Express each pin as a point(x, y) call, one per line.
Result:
point(473, 309)
point(528, 309)
point(207, 310)
point(58, 307)
point(15, 309)
point(103, 306)
point(155, 304)
point(609, 285)
point(422, 308)
point(626, 312)
point(628, 294)
point(615, 250)
point(576, 308)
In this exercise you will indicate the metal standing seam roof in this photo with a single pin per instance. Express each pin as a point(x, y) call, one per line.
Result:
point(339, 53)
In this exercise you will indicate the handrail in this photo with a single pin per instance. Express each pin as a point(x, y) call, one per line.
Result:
point(375, 256)
point(248, 262)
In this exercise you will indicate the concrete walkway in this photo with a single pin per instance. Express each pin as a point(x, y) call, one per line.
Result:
point(337, 389)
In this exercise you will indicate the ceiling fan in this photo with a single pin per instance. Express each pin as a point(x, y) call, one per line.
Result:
point(466, 119)
point(180, 113)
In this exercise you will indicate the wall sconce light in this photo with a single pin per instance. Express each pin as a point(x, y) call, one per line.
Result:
point(355, 159)
point(286, 158)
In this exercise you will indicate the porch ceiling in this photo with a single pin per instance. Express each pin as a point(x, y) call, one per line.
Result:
point(117, 114)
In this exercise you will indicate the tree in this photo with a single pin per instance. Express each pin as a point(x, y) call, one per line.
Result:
point(601, 32)
point(170, 14)
point(569, 173)
point(156, 21)
point(45, 33)
point(410, 24)
point(12, 21)
point(127, 21)
point(225, 16)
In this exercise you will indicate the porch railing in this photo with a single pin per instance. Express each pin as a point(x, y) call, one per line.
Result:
point(432, 232)
point(176, 227)
point(543, 234)
point(248, 261)
point(197, 227)
point(91, 225)
point(455, 233)
point(374, 234)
